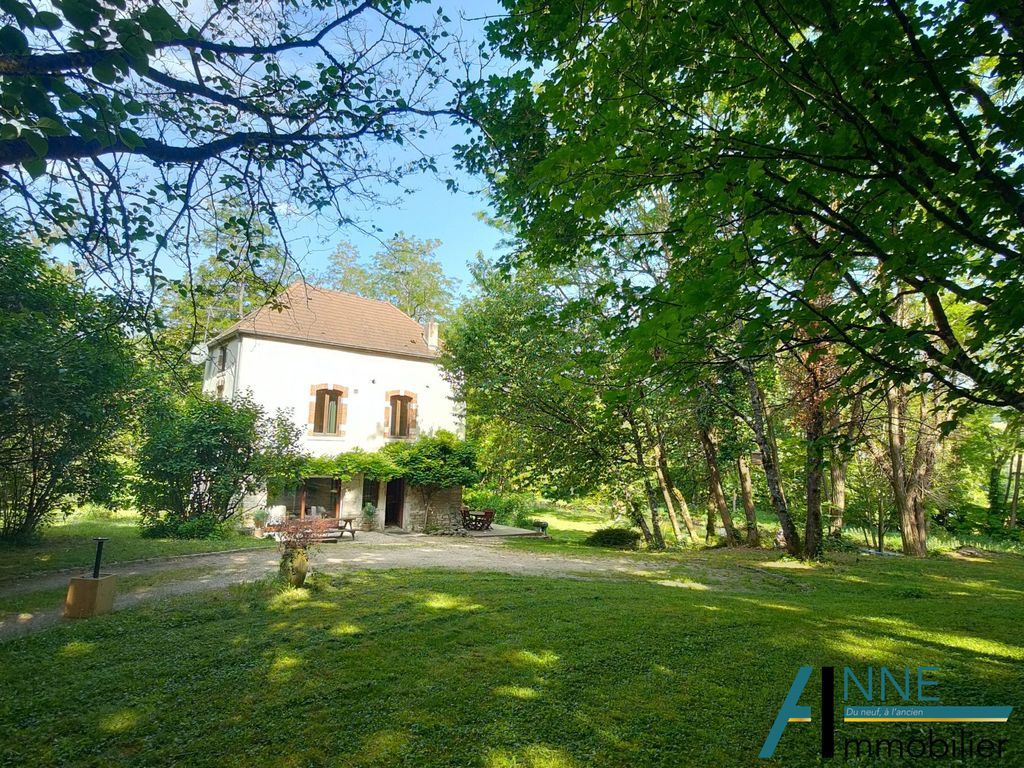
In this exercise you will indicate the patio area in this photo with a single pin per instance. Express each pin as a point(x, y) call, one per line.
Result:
point(502, 531)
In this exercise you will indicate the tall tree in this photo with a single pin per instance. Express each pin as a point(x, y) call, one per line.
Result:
point(120, 122)
point(405, 271)
point(66, 374)
point(823, 150)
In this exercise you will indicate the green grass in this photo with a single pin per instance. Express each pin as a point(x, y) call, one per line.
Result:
point(684, 665)
point(568, 527)
point(49, 599)
point(69, 544)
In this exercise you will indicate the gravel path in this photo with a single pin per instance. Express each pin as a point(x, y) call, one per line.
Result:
point(369, 551)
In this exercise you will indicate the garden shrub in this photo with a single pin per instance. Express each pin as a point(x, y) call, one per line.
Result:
point(516, 509)
point(613, 538)
point(200, 457)
point(66, 381)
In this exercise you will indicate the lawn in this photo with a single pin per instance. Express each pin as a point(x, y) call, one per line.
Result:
point(685, 665)
point(69, 544)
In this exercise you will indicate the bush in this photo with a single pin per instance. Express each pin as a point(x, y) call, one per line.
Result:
point(613, 538)
point(516, 509)
point(66, 371)
point(200, 457)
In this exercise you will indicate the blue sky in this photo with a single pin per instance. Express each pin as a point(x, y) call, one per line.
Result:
point(431, 211)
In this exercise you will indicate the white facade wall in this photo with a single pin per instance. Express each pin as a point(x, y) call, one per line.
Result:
point(279, 374)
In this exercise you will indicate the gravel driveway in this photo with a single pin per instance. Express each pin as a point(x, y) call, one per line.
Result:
point(369, 551)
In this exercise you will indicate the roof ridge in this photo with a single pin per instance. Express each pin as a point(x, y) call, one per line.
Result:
point(340, 292)
point(310, 313)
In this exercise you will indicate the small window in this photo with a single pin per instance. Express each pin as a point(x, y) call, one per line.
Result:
point(371, 492)
point(400, 415)
point(222, 359)
point(328, 416)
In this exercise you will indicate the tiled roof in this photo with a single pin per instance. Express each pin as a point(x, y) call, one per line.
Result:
point(321, 316)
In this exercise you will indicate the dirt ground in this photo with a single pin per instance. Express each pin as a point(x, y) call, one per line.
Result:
point(368, 551)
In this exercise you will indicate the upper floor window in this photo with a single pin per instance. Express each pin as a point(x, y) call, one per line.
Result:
point(222, 359)
point(401, 416)
point(329, 412)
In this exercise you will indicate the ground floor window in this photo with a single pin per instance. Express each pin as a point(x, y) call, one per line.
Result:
point(316, 498)
point(321, 497)
point(371, 492)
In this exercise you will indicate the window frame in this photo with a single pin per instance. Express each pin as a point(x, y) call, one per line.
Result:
point(327, 405)
point(401, 411)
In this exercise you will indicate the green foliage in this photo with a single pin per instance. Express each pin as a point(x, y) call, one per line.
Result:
point(433, 461)
point(375, 465)
point(516, 509)
point(613, 538)
point(543, 392)
point(437, 461)
point(66, 375)
point(200, 456)
point(405, 272)
point(319, 120)
point(824, 172)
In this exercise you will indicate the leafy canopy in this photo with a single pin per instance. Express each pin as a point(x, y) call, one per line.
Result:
point(66, 384)
point(122, 124)
point(859, 153)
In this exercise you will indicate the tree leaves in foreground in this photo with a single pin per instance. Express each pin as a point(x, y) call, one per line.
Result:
point(859, 153)
point(121, 123)
point(66, 370)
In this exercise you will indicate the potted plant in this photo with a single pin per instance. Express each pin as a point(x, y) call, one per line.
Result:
point(369, 517)
point(296, 540)
point(259, 521)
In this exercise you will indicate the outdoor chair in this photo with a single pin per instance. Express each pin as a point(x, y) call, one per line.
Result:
point(477, 520)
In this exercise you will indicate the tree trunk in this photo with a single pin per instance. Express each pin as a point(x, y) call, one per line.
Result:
point(661, 470)
point(904, 492)
point(684, 509)
point(747, 492)
point(769, 463)
point(881, 527)
point(658, 541)
point(837, 500)
point(1009, 479)
point(814, 433)
point(638, 517)
point(711, 529)
point(652, 503)
point(1016, 491)
point(717, 494)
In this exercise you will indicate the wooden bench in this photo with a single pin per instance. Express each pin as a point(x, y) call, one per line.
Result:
point(477, 520)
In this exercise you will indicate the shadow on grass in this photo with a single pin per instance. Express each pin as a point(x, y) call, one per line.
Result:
point(431, 668)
